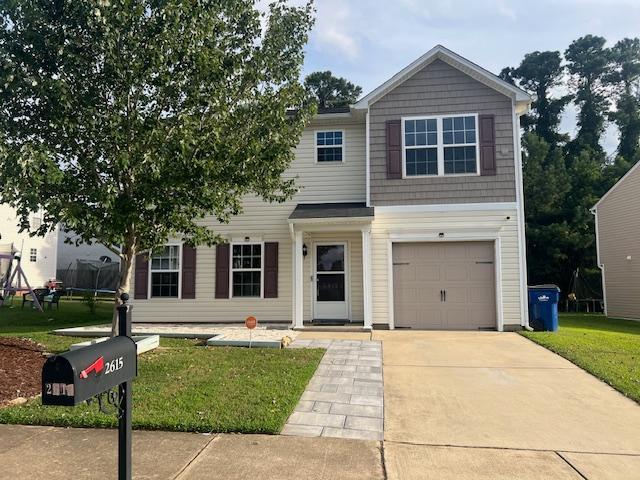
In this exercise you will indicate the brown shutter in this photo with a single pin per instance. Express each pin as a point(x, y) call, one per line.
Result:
point(222, 270)
point(188, 272)
point(271, 270)
point(141, 277)
point(394, 149)
point(487, 144)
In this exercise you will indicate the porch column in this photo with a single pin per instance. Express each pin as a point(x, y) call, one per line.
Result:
point(367, 293)
point(298, 283)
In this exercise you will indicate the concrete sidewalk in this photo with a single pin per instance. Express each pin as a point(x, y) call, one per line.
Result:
point(59, 454)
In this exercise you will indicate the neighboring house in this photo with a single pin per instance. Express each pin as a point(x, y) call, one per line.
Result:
point(617, 240)
point(38, 254)
point(70, 253)
point(409, 214)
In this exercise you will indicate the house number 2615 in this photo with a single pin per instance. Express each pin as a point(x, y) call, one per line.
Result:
point(113, 365)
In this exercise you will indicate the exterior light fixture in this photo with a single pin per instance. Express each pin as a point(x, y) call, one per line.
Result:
point(304, 250)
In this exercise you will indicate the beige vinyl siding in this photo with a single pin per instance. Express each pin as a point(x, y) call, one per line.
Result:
point(450, 223)
point(264, 222)
point(618, 238)
point(440, 89)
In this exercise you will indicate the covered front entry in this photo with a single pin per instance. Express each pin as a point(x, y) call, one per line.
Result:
point(444, 285)
point(332, 264)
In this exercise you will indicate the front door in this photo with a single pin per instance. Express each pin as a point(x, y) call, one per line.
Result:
point(330, 300)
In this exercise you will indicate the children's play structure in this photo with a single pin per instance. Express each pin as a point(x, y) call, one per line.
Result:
point(12, 278)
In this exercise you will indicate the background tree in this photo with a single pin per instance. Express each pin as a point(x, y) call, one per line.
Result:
point(625, 78)
point(330, 91)
point(131, 120)
point(588, 62)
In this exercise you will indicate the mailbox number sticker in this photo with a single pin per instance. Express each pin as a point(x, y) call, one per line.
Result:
point(114, 365)
point(59, 389)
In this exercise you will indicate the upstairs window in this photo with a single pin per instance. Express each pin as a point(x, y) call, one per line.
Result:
point(165, 271)
point(442, 145)
point(329, 146)
point(33, 255)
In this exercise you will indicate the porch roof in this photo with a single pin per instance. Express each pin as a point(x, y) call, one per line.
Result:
point(351, 211)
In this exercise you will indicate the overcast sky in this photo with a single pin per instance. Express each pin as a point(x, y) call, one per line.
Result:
point(368, 41)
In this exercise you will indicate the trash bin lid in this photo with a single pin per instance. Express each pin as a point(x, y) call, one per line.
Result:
point(546, 286)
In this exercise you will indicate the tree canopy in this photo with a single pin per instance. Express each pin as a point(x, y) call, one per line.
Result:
point(129, 121)
point(330, 91)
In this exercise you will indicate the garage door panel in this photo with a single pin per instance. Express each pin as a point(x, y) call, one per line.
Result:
point(465, 270)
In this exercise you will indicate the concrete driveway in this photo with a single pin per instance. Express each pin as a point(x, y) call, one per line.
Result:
point(495, 405)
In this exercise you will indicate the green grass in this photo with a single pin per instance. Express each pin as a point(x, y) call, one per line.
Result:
point(608, 348)
point(180, 386)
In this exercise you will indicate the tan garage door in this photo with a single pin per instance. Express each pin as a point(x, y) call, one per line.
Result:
point(444, 285)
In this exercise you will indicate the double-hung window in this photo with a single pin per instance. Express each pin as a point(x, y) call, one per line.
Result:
point(165, 271)
point(33, 255)
point(442, 145)
point(246, 269)
point(329, 146)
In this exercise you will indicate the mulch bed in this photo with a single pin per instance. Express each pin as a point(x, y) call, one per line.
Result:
point(21, 363)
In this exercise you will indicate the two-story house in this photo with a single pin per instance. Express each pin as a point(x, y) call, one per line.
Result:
point(409, 215)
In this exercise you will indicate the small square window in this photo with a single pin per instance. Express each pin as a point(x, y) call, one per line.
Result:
point(329, 146)
point(33, 255)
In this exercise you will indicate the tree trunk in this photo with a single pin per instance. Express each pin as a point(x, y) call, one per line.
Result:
point(124, 282)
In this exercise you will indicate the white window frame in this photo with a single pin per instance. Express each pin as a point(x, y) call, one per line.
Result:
point(316, 146)
point(152, 271)
point(231, 270)
point(33, 255)
point(440, 146)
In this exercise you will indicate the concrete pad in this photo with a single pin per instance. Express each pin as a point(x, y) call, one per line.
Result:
point(16, 436)
point(56, 453)
point(544, 409)
point(604, 467)
point(421, 462)
point(465, 349)
point(264, 457)
point(334, 336)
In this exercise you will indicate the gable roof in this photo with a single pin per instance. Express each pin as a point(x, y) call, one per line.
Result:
point(622, 179)
point(523, 99)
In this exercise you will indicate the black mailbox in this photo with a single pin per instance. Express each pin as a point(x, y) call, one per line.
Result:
point(78, 375)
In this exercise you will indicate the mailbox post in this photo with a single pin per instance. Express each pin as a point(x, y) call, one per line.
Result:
point(124, 391)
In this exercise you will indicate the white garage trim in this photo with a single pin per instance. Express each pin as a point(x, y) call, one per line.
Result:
point(450, 237)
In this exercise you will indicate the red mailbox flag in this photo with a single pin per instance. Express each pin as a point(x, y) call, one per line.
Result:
point(96, 366)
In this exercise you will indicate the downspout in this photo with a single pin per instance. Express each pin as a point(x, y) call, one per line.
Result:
point(594, 212)
point(522, 244)
point(367, 162)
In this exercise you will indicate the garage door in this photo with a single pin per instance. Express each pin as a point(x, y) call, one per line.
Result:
point(444, 285)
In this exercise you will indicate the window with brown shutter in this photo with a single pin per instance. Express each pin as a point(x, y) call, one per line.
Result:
point(271, 270)
point(394, 149)
point(487, 144)
point(222, 270)
point(188, 272)
point(141, 277)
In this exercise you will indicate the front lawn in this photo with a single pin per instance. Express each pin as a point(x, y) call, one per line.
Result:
point(181, 385)
point(608, 348)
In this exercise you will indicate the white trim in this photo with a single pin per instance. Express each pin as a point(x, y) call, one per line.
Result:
point(231, 269)
point(329, 221)
point(631, 170)
point(447, 207)
point(522, 242)
point(179, 270)
point(456, 237)
point(316, 146)
point(440, 145)
point(454, 60)
point(367, 157)
point(367, 292)
point(298, 318)
point(601, 266)
point(346, 272)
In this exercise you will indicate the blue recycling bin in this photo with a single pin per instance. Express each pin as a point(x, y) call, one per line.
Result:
point(543, 307)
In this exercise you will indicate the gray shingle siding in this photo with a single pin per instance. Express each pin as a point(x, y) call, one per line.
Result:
point(436, 90)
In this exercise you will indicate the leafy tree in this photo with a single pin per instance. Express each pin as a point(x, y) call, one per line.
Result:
point(626, 80)
point(539, 73)
point(330, 91)
point(588, 61)
point(130, 120)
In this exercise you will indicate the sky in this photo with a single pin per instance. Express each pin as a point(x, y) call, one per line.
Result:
point(368, 41)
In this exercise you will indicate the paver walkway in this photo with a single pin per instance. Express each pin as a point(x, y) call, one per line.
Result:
point(344, 398)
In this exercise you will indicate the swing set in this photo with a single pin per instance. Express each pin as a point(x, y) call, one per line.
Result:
point(12, 276)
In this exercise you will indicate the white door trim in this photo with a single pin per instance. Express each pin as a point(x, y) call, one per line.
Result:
point(347, 276)
point(456, 237)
